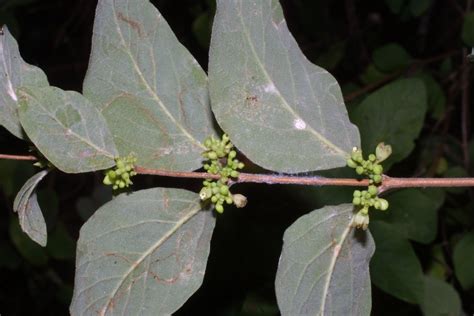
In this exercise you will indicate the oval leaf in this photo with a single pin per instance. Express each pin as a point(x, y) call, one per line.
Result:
point(440, 298)
point(413, 213)
point(324, 266)
point(281, 111)
point(67, 129)
point(138, 67)
point(394, 115)
point(29, 213)
point(395, 267)
point(143, 253)
point(14, 73)
point(464, 261)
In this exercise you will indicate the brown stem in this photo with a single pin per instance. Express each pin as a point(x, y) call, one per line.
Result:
point(387, 184)
point(18, 157)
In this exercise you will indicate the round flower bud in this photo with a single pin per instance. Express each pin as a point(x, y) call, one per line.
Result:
point(219, 208)
point(351, 163)
point(359, 170)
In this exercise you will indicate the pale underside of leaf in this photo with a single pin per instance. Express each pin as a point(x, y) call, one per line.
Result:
point(29, 213)
point(137, 58)
point(142, 254)
point(323, 269)
point(67, 129)
point(265, 92)
point(14, 73)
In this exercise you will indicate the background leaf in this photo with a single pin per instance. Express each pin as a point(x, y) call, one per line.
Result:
point(464, 261)
point(394, 267)
point(440, 298)
point(140, 70)
point(393, 114)
point(413, 213)
point(145, 252)
point(323, 268)
point(29, 213)
point(265, 92)
point(391, 57)
point(14, 73)
point(468, 29)
point(67, 129)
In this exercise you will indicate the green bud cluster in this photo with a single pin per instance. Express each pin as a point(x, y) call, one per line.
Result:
point(220, 155)
point(371, 167)
point(119, 177)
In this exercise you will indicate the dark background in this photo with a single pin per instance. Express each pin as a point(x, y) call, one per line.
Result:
point(339, 35)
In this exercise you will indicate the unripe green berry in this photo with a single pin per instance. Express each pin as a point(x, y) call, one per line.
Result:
point(107, 181)
point(372, 190)
point(351, 163)
point(378, 169)
point(356, 201)
point(383, 204)
point(224, 190)
point(377, 178)
point(219, 208)
point(212, 155)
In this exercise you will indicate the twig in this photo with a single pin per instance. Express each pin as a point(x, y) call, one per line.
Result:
point(387, 184)
point(18, 157)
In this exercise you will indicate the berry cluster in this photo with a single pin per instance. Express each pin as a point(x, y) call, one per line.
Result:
point(221, 161)
point(119, 177)
point(371, 168)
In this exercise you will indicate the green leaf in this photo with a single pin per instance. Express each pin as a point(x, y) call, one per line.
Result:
point(31, 251)
point(464, 261)
point(277, 107)
point(395, 5)
point(323, 268)
point(413, 213)
point(140, 74)
point(67, 129)
point(142, 253)
point(418, 7)
point(436, 96)
point(393, 114)
point(391, 57)
point(61, 246)
point(440, 298)
point(29, 213)
point(468, 29)
point(14, 73)
point(395, 268)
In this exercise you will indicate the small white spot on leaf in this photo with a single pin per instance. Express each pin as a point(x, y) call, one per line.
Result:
point(299, 124)
point(270, 88)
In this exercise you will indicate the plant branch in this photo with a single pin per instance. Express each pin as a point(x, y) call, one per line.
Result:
point(387, 183)
point(18, 157)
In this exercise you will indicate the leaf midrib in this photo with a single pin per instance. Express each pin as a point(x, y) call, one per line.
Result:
point(149, 89)
point(150, 250)
point(82, 139)
point(318, 136)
